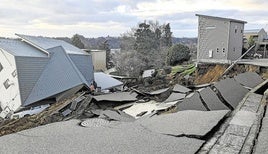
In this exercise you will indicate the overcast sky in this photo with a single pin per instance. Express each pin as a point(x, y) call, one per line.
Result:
point(93, 18)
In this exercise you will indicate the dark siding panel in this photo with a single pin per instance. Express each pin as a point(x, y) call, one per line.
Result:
point(84, 65)
point(29, 70)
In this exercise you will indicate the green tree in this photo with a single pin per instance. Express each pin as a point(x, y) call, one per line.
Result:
point(76, 41)
point(142, 48)
point(251, 41)
point(177, 54)
point(167, 36)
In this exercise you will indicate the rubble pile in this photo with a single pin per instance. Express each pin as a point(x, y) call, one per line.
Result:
point(196, 115)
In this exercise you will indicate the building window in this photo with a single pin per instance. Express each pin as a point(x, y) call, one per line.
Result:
point(1, 67)
point(234, 49)
point(235, 30)
point(14, 73)
point(6, 83)
point(241, 30)
point(217, 49)
point(223, 49)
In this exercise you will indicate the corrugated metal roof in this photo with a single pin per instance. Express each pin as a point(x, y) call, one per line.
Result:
point(19, 48)
point(47, 43)
point(105, 81)
point(221, 18)
point(59, 75)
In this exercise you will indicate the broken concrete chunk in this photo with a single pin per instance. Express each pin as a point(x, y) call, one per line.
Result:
point(105, 81)
point(157, 92)
point(116, 115)
point(181, 89)
point(148, 73)
point(231, 91)
point(116, 97)
point(66, 112)
point(249, 79)
point(175, 97)
point(197, 123)
point(147, 108)
point(212, 100)
point(192, 103)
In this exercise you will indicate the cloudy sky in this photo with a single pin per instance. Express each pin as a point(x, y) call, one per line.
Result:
point(93, 18)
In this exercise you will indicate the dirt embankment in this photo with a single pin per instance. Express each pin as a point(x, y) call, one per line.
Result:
point(209, 73)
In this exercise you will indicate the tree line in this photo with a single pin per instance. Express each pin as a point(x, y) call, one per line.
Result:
point(149, 45)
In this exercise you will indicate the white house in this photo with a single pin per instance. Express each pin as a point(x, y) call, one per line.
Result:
point(33, 69)
point(220, 40)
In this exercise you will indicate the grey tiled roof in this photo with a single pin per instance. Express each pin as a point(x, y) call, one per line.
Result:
point(19, 48)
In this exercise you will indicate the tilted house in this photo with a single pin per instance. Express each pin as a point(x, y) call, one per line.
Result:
point(220, 40)
point(259, 36)
point(33, 69)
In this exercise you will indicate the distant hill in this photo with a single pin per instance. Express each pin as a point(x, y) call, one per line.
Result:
point(114, 42)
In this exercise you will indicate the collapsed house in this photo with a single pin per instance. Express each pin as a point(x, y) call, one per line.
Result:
point(34, 69)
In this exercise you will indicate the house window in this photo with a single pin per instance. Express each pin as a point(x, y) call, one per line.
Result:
point(234, 49)
point(241, 30)
point(6, 83)
point(235, 30)
point(217, 49)
point(1, 67)
point(14, 73)
point(223, 49)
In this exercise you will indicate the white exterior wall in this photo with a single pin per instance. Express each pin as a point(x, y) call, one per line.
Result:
point(212, 39)
point(235, 40)
point(10, 97)
point(99, 60)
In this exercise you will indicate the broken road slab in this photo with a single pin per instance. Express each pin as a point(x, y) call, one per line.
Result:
point(181, 89)
point(212, 100)
point(231, 91)
point(197, 123)
point(175, 97)
point(249, 79)
point(192, 103)
point(116, 97)
point(105, 81)
point(157, 92)
point(68, 137)
point(116, 115)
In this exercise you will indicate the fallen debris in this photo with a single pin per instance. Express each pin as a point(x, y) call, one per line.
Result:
point(105, 81)
point(116, 115)
point(181, 89)
point(138, 110)
point(175, 97)
point(116, 97)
